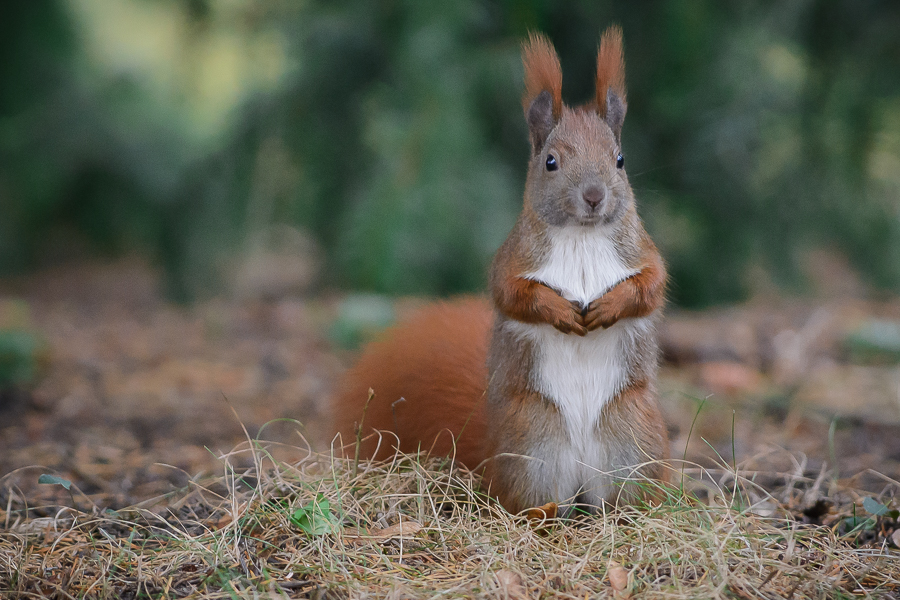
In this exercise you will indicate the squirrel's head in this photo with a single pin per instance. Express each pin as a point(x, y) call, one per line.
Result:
point(576, 174)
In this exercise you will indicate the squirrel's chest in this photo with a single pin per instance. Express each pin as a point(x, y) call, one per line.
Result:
point(580, 374)
point(581, 264)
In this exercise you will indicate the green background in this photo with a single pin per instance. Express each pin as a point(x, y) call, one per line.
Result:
point(762, 138)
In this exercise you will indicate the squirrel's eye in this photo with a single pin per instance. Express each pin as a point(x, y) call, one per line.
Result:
point(551, 163)
point(620, 161)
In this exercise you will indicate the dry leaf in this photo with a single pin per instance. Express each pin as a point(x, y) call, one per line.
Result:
point(35, 526)
point(618, 576)
point(403, 529)
point(223, 521)
point(895, 537)
point(511, 585)
point(542, 513)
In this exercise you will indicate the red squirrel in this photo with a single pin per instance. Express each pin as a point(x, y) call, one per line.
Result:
point(551, 389)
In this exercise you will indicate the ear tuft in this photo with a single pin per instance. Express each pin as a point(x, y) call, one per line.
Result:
point(542, 73)
point(610, 98)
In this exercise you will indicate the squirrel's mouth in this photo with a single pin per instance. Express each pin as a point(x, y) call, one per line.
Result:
point(588, 215)
point(591, 218)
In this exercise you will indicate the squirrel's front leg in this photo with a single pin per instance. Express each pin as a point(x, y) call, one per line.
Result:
point(637, 296)
point(530, 301)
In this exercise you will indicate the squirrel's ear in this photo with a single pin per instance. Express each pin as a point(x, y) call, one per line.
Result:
point(540, 120)
point(610, 99)
point(543, 88)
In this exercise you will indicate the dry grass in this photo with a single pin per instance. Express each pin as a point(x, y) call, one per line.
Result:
point(419, 528)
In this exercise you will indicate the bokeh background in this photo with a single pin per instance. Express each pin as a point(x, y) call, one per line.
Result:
point(380, 145)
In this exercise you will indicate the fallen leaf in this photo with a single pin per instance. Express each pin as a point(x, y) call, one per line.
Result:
point(223, 521)
point(511, 585)
point(35, 526)
point(618, 576)
point(403, 529)
point(895, 537)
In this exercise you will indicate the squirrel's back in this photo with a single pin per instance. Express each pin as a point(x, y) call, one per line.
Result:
point(429, 376)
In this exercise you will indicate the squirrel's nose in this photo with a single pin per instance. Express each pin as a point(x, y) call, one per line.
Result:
point(594, 195)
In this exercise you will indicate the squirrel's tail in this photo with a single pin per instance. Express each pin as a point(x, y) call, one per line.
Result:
point(429, 377)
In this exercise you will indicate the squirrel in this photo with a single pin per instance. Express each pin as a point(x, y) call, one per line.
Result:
point(549, 389)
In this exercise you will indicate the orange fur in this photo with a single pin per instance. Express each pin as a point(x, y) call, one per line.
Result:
point(525, 299)
point(436, 362)
point(542, 72)
point(531, 301)
point(610, 67)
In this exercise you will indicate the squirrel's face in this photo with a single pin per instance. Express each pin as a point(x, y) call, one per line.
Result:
point(577, 178)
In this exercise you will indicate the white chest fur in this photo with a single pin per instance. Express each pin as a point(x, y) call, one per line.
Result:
point(582, 264)
point(580, 374)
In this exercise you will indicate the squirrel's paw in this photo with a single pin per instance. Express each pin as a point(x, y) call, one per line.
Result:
point(552, 308)
point(570, 324)
point(571, 327)
point(606, 310)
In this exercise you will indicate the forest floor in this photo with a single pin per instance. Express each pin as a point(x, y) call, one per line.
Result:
point(135, 398)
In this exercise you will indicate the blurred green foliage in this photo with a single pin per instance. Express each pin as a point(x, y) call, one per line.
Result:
point(18, 357)
point(21, 348)
point(756, 132)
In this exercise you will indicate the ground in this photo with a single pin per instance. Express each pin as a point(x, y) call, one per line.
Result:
point(134, 396)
